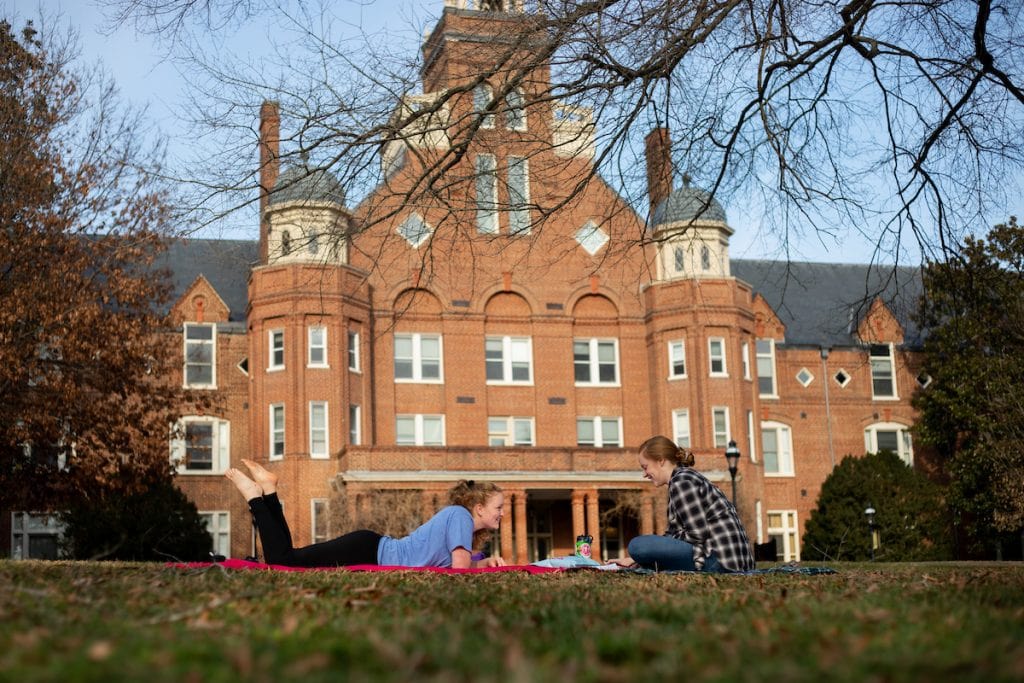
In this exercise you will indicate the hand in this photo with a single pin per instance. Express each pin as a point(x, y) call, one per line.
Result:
point(622, 561)
point(495, 561)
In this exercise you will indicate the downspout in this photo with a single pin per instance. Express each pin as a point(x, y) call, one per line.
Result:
point(828, 406)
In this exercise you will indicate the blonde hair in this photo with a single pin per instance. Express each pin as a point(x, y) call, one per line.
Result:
point(469, 493)
point(659, 448)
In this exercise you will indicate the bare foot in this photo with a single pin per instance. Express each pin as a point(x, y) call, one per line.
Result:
point(264, 477)
point(246, 486)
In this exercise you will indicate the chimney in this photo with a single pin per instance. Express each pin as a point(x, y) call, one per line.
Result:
point(658, 150)
point(270, 150)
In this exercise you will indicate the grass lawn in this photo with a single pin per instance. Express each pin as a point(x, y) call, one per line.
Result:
point(63, 621)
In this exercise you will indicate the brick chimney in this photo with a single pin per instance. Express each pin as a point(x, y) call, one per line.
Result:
point(270, 150)
point(658, 151)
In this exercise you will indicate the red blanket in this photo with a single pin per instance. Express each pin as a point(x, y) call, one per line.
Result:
point(242, 564)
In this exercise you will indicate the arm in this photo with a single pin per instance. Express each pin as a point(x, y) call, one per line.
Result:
point(461, 559)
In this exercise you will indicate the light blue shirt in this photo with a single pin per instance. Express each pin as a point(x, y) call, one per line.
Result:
point(430, 545)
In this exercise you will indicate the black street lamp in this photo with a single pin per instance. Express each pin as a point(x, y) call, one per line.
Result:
point(732, 456)
point(870, 513)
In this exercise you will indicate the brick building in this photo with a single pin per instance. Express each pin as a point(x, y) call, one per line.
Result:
point(509, 332)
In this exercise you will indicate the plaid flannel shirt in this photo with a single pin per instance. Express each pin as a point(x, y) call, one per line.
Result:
point(700, 514)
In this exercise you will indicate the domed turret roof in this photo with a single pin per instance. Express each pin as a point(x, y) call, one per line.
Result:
point(302, 184)
point(686, 204)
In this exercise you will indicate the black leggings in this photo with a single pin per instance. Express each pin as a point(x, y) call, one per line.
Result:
point(357, 547)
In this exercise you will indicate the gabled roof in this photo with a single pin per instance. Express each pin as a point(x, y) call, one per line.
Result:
point(224, 263)
point(821, 304)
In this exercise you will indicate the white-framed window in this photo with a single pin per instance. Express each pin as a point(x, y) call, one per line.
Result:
point(482, 96)
point(35, 536)
point(486, 194)
point(419, 430)
point(418, 358)
point(599, 432)
point(716, 357)
point(596, 361)
point(508, 360)
point(275, 360)
point(889, 436)
point(355, 427)
point(276, 431)
point(320, 521)
point(766, 368)
point(681, 427)
point(218, 525)
point(353, 351)
point(720, 426)
point(518, 196)
point(883, 371)
point(777, 449)
point(317, 347)
point(202, 445)
point(510, 431)
point(319, 446)
point(200, 355)
point(515, 115)
point(783, 527)
point(677, 359)
point(751, 434)
point(745, 359)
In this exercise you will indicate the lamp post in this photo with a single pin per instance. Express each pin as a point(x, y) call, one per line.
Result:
point(870, 513)
point(732, 456)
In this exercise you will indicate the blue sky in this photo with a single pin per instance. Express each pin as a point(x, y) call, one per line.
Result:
point(145, 77)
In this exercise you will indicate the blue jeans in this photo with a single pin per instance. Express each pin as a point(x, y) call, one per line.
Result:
point(663, 553)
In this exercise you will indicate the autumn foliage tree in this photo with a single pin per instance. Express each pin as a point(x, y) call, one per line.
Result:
point(86, 395)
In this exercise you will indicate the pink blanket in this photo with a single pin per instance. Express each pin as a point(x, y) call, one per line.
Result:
point(242, 564)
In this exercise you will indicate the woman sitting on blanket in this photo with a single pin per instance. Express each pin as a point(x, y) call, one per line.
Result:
point(445, 540)
point(704, 531)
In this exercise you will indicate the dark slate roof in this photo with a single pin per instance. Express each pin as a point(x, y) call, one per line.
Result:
point(224, 263)
point(685, 204)
point(821, 304)
point(301, 184)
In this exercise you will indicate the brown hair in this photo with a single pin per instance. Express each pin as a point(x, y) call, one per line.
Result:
point(471, 493)
point(659, 448)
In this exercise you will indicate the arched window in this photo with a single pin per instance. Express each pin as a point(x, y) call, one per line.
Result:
point(286, 243)
point(482, 97)
point(889, 436)
point(705, 257)
point(515, 116)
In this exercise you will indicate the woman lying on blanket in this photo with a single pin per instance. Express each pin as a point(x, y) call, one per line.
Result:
point(445, 540)
point(704, 532)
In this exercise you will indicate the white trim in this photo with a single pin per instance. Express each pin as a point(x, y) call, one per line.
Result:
point(271, 349)
point(326, 430)
point(310, 347)
point(773, 369)
point(509, 431)
point(593, 364)
point(273, 430)
point(892, 373)
point(676, 433)
point(212, 343)
point(681, 345)
point(419, 429)
point(218, 525)
point(507, 345)
point(598, 422)
point(417, 339)
point(784, 445)
point(724, 372)
point(220, 447)
point(353, 350)
point(904, 442)
point(789, 531)
point(355, 426)
point(724, 442)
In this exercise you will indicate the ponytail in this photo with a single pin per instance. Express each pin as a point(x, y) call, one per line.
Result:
point(659, 448)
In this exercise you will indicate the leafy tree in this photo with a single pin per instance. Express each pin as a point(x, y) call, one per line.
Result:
point(910, 513)
point(972, 413)
point(153, 522)
point(819, 114)
point(86, 385)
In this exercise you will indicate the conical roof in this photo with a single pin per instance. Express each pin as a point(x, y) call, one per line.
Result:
point(302, 184)
point(686, 204)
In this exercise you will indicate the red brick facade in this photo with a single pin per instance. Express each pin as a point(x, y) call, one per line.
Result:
point(639, 299)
